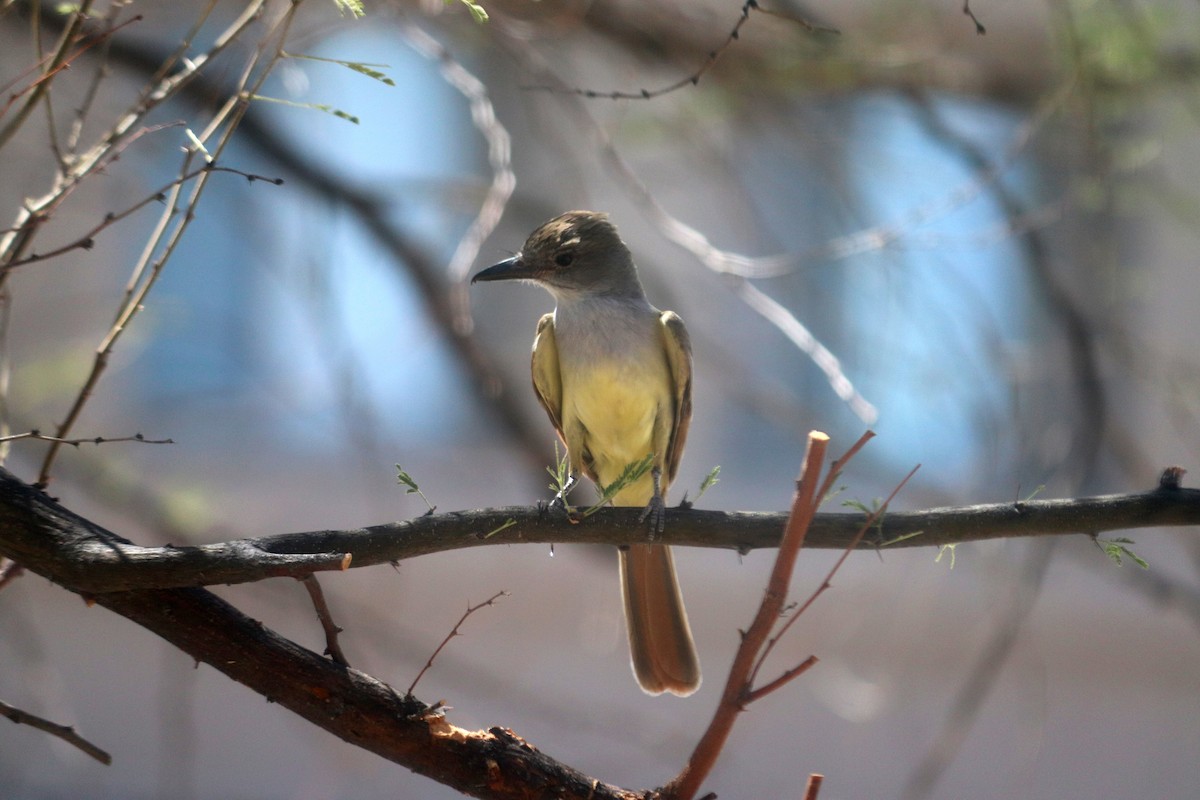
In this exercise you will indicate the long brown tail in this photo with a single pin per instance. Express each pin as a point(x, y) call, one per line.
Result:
point(660, 639)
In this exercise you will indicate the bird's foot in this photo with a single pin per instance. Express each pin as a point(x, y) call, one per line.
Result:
point(656, 509)
point(656, 512)
point(559, 505)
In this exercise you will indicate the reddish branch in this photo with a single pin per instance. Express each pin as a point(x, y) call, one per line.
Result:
point(754, 694)
point(804, 506)
point(453, 632)
point(756, 641)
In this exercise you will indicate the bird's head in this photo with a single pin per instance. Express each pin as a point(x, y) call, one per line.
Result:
point(576, 253)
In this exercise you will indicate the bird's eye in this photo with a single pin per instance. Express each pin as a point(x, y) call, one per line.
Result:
point(564, 259)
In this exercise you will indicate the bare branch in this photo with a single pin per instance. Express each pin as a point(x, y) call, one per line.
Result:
point(41, 437)
point(331, 628)
point(64, 732)
point(96, 560)
point(966, 9)
point(733, 696)
point(88, 239)
point(711, 61)
point(785, 678)
point(453, 632)
point(825, 584)
point(504, 180)
point(178, 214)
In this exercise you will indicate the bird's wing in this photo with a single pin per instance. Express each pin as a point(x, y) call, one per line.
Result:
point(547, 381)
point(678, 347)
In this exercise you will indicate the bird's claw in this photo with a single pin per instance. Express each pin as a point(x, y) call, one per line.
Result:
point(559, 505)
point(656, 512)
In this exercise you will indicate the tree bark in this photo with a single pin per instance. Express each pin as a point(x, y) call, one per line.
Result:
point(88, 558)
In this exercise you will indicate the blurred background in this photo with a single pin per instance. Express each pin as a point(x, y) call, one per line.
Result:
point(869, 214)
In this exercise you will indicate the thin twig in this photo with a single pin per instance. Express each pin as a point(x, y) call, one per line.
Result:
point(694, 78)
point(88, 239)
point(64, 732)
point(756, 641)
point(165, 238)
point(504, 179)
point(162, 87)
point(869, 523)
point(453, 632)
point(814, 786)
point(790, 325)
point(135, 293)
point(41, 437)
point(57, 62)
point(966, 9)
point(332, 629)
point(5, 369)
point(786, 677)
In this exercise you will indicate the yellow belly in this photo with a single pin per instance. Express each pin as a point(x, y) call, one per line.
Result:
point(618, 405)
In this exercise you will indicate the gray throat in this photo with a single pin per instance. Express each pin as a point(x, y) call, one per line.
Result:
point(604, 327)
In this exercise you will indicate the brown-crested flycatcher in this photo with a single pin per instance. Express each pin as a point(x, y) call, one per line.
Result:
point(615, 376)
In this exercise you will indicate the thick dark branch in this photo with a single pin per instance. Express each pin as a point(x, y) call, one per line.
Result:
point(92, 559)
point(494, 764)
point(352, 705)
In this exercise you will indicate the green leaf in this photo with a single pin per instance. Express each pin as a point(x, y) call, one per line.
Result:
point(946, 548)
point(861, 506)
point(508, 523)
point(632, 473)
point(66, 9)
point(315, 106)
point(1116, 550)
point(362, 68)
point(560, 476)
point(873, 510)
point(710, 480)
point(834, 491)
point(1034, 493)
point(353, 7)
point(901, 538)
point(406, 480)
point(477, 11)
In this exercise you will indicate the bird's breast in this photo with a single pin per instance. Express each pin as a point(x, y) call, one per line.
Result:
point(616, 380)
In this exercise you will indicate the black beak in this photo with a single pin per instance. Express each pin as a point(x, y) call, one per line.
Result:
point(508, 269)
